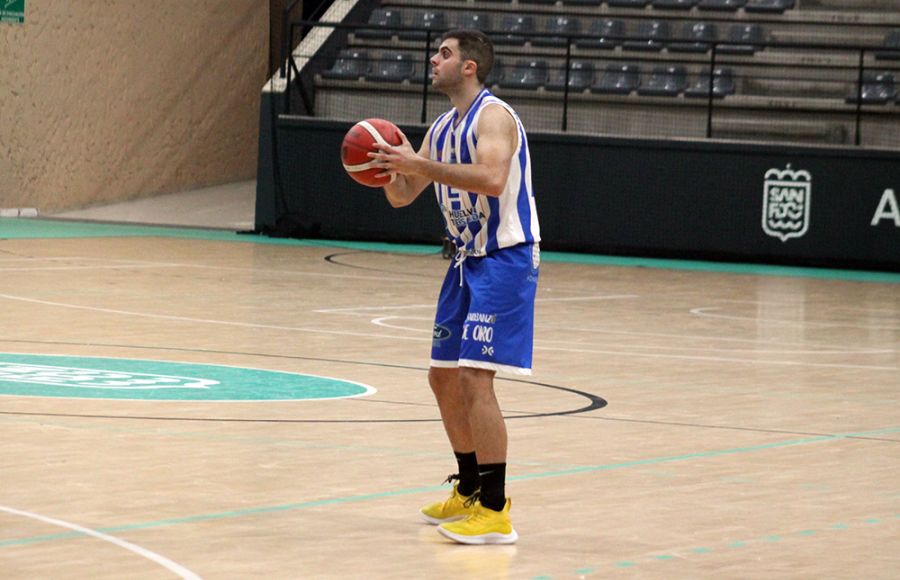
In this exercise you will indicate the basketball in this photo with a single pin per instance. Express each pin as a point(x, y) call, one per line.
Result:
point(359, 141)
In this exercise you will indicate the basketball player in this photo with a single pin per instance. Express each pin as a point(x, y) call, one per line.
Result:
point(477, 156)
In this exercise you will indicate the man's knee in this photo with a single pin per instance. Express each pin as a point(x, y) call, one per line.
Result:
point(441, 379)
point(475, 382)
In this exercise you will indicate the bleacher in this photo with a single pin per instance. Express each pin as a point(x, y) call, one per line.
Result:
point(761, 70)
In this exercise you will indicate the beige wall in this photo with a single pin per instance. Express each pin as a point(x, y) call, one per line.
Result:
point(104, 100)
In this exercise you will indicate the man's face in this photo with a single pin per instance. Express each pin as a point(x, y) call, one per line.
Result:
point(447, 66)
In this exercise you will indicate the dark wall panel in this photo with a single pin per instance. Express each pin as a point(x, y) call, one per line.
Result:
point(697, 200)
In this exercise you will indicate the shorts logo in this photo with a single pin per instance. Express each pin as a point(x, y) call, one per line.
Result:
point(440, 332)
point(786, 200)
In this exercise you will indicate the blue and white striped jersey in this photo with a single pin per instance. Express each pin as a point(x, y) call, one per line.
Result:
point(480, 224)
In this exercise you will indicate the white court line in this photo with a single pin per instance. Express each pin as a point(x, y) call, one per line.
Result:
point(173, 567)
point(416, 339)
point(359, 309)
point(55, 268)
point(381, 321)
point(721, 359)
point(362, 310)
point(705, 313)
point(716, 339)
point(208, 320)
point(125, 264)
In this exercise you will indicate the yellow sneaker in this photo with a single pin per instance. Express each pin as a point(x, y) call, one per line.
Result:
point(483, 526)
point(450, 510)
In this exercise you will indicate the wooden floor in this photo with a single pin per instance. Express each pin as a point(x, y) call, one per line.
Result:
point(679, 424)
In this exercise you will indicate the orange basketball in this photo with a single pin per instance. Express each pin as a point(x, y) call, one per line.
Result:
point(359, 141)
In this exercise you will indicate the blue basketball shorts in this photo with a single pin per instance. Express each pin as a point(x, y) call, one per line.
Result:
point(488, 321)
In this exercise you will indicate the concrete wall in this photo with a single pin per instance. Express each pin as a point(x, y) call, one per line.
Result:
point(105, 100)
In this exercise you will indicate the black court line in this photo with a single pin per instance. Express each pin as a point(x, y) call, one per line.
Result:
point(596, 402)
point(333, 259)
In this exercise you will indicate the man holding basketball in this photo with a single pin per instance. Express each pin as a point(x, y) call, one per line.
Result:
point(476, 155)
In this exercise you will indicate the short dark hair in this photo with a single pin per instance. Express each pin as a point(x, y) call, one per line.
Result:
point(474, 45)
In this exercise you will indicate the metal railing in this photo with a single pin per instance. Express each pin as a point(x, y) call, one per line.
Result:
point(851, 63)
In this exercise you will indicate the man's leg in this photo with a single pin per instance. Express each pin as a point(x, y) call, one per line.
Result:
point(488, 429)
point(489, 521)
point(488, 432)
point(445, 385)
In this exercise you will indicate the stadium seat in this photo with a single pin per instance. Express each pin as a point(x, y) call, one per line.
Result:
point(769, 6)
point(604, 33)
point(722, 5)
point(526, 74)
point(514, 29)
point(565, 26)
point(743, 39)
point(674, 4)
point(432, 20)
point(695, 37)
point(385, 19)
point(665, 81)
point(892, 44)
point(627, 3)
point(650, 36)
point(474, 21)
point(537, 1)
point(878, 88)
point(392, 67)
point(349, 65)
point(618, 79)
point(496, 74)
point(582, 2)
point(723, 85)
point(581, 77)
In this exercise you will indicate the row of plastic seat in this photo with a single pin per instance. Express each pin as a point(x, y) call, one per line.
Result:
point(766, 6)
point(517, 29)
point(615, 78)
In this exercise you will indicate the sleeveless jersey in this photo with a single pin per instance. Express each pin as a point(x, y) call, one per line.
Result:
point(477, 223)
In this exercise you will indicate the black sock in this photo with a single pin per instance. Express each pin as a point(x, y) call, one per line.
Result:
point(493, 480)
point(468, 473)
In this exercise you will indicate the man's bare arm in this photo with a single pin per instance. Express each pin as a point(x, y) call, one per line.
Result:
point(406, 188)
point(497, 142)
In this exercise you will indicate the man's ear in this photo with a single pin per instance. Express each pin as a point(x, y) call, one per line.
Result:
point(470, 67)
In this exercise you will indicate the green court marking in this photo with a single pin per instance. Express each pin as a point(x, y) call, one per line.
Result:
point(149, 380)
point(400, 492)
point(626, 564)
point(772, 538)
point(21, 228)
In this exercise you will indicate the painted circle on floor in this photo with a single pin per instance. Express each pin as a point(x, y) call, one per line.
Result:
point(75, 377)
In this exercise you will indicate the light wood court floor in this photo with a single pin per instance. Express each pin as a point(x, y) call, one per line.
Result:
point(679, 423)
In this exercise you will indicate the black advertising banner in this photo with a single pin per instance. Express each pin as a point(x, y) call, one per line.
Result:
point(691, 200)
point(716, 200)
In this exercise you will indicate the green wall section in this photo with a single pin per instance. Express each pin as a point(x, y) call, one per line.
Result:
point(19, 228)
